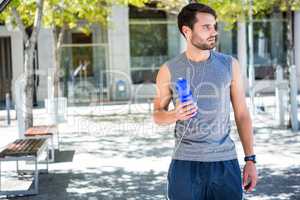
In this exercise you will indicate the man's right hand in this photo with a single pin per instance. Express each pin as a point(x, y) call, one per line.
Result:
point(186, 110)
point(162, 115)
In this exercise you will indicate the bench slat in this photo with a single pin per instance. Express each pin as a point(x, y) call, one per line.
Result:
point(41, 130)
point(23, 147)
point(34, 148)
point(38, 145)
point(29, 143)
point(16, 145)
point(11, 147)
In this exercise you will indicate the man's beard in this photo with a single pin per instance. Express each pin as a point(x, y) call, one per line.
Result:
point(202, 45)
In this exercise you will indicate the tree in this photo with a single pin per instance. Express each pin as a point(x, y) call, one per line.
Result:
point(59, 15)
point(26, 14)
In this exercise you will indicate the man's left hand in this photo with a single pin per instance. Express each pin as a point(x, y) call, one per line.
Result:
point(249, 176)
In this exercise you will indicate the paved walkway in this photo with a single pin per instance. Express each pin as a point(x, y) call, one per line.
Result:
point(109, 156)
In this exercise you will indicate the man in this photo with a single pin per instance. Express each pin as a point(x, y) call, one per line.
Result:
point(204, 165)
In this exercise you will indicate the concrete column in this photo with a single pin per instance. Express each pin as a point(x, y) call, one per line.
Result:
point(242, 51)
point(277, 38)
point(293, 97)
point(281, 93)
point(174, 37)
point(183, 44)
point(18, 57)
point(45, 46)
point(119, 51)
point(297, 44)
point(98, 53)
point(225, 39)
point(261, 44)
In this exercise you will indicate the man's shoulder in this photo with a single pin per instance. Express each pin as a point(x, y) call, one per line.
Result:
point(223, 57)
point(175, 60)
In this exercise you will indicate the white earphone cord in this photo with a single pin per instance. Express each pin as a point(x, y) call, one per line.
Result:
point(181, 138)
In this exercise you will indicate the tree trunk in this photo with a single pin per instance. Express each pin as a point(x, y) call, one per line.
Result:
point(56, 71)
point(57, 58)
point(30, 44)
point(290, 43)
point(293, 119)
point(28, 87)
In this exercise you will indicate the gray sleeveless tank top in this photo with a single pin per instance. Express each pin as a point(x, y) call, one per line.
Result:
point(207, 135)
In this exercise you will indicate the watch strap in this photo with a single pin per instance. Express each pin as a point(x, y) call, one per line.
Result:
point(250, 158)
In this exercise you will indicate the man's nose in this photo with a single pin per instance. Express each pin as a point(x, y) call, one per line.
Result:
point(214, 32)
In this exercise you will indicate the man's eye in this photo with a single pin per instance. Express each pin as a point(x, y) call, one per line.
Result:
point(206, 27)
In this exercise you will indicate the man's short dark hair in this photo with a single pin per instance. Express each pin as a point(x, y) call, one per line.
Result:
point(187, 15)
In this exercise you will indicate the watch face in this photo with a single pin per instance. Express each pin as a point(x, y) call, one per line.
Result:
point(250, 158)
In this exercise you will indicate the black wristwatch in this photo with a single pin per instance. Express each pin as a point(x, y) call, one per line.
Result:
point(250, 158)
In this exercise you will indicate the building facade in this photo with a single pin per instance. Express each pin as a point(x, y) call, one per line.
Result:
point(120, 62)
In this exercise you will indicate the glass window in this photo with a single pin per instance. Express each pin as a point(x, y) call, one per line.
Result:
point(148, 50)
point(148, 39)
point(82, 55)
point(227, 39)
point(269, 46)
point(5, 68)
point(153, 40)
point(83, 62)
point(268, 42)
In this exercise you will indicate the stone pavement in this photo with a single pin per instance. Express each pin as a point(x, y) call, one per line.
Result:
point(107, 154)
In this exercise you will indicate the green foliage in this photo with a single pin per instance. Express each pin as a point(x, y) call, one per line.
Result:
point(69, 13)
point(232, 11)
point(172, 6)
point(26, 7)
point(136, 3)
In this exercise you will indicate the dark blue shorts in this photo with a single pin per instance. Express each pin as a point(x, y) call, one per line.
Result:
point(193, 180)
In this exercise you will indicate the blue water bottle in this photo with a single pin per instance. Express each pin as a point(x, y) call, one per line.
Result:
point(183, 90)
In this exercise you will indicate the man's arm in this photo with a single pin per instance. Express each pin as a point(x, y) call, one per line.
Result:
point(241, 112)
point(243, 123)
point(162, 100)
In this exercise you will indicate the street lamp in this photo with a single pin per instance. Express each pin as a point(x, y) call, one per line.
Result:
point(3, 4)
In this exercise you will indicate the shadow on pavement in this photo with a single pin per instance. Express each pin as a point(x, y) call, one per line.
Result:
point(64, 156)
point(277, 184)
point(130, 141)
point(96, 184)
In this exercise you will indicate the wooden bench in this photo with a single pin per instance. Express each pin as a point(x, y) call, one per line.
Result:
point(24, 150)
point(44, 132)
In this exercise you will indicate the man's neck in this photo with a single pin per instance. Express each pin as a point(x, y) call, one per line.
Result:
point(197, 55)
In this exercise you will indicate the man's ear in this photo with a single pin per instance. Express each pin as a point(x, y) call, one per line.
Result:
point(186, 31)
